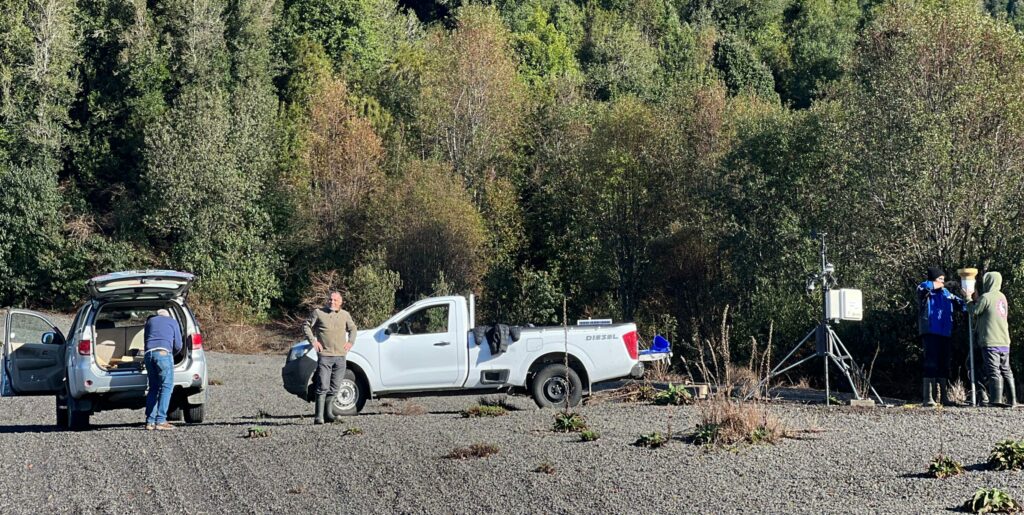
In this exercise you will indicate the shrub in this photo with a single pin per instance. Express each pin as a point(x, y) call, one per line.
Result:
point(1007, 455)
point(483, 411)
point(726, 422)
point(639, 392)
point(477, 450)
point(675, 395)
point(943, 466)
point(569, 423)
point(589, 435)
point(991, 500)
point(651, 440)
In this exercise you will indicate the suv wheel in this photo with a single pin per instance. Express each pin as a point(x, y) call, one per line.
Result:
point(62, 410)
point(194, 413)
point(78, 420)
point(175, 414)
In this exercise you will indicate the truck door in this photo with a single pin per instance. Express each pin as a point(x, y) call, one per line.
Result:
point(422, 350)
point(33, 355)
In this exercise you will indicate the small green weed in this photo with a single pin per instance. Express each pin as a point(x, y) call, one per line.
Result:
point(943, 466)
point(706, 434)
point(651, 440)
point(352, 431)
point(589, 435)
point(257, 432)
point(484, 410)
point(1007, 455)
point(676, 395)
point(991, 500)
point(477, 450)
point(569, 423)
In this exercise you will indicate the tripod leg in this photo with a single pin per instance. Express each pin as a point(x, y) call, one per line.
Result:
point(775, 371)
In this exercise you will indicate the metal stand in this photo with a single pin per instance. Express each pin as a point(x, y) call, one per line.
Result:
point(970, 352)
point(827, 343)
point(829, 347)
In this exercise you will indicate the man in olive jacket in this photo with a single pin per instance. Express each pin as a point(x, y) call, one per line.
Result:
point(994, 338)
point(332, 333)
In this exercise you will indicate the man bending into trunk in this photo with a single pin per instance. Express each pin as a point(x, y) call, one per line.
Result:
point(163, 340)
point(332, 332)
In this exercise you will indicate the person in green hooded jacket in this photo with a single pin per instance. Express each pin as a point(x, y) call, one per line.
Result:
point(992, 311)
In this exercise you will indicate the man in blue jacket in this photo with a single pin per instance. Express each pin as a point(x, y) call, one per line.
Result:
point(935, 325)
point(163, 341)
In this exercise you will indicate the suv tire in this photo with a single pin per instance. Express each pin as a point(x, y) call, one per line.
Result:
point(194, 413)
point(175, 414)
point(62, 410)
point(550, 389)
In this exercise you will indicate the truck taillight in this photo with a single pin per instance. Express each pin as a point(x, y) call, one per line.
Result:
point(197, 341)
point(630, 339)
point(85, 347)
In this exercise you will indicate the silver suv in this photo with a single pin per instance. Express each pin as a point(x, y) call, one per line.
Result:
point(99, 365)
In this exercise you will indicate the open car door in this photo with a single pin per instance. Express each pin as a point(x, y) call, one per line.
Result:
point(33, 355)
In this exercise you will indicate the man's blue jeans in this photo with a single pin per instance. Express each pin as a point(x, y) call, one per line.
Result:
point(160, 367)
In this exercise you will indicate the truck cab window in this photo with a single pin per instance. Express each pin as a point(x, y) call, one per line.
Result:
point(429, 320)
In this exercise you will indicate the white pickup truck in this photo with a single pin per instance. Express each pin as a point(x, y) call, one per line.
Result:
point(430, 348)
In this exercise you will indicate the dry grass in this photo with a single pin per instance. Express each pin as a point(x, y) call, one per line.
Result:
point(232, 330)
point(482, 410)
point(408, 409)
point(725, 422)
point(477, 450)
point(957, 392)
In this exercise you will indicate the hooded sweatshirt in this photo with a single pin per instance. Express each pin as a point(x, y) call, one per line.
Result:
point(935, 309)
point(992, 310)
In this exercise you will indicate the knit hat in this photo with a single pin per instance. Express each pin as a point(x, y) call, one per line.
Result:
point(934, 273)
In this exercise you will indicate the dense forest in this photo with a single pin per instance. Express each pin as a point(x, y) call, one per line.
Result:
point(661, 161)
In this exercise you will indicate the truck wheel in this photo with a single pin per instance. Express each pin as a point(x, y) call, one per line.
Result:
point(351, 396)
point(551, 390)
point(194, 413)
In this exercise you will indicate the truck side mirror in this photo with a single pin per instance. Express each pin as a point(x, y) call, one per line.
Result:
point(50, 338)
point(392, 328)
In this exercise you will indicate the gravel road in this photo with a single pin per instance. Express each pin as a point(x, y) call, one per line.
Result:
point(867, 460)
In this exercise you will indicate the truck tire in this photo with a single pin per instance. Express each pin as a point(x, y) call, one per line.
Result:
point(351, 396)
point(550, 389)
point(194, 413)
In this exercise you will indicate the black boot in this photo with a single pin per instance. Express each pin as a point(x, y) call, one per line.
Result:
point(1011, 390)
point(329, 408)
point(944, 393)
point(318, 415)
point(995, 391)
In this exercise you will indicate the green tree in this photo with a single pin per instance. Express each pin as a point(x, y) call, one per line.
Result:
point(37, 84)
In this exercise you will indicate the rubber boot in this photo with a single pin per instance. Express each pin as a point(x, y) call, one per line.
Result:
point(995, 391)
point(928, 399)
point(944, 392)
point(328, 409)
point(318, 415)
point(1011, 391)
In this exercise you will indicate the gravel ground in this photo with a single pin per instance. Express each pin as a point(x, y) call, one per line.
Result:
point(866, 460)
